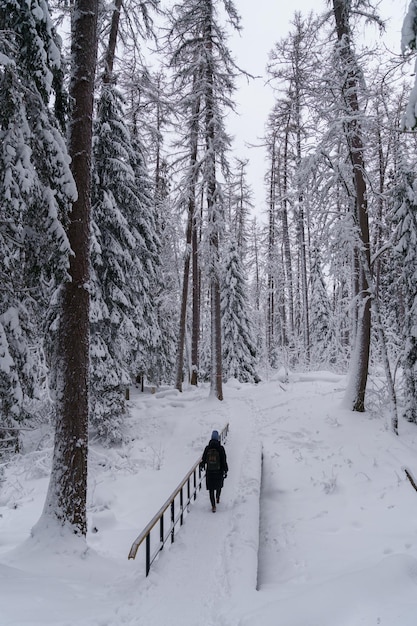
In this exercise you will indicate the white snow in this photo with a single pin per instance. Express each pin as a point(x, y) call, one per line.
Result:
point(322, 533)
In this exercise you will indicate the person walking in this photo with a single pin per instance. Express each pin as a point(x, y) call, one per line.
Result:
point(215, 461)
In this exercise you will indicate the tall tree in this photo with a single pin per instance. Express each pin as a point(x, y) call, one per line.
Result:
point(405, 215)
point(66, 498)
point(240, 199)
point(239, 348)
point(409, 43)
point(37, 189)
point(118, 295)
point(350, 81)
point(276, 318)
point(323, 348)
point(191, 250)
point(124, 257)
point(292, 68)
point(204, 69)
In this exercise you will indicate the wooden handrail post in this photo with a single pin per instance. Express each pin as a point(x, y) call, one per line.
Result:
point(172, 521)
point(148, 553)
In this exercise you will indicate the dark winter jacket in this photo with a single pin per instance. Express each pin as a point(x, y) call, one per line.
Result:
point(214, 480)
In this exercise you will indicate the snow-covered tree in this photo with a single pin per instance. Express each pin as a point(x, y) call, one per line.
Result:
point(409, 42)
point(350, 95)
point(293, 69)
point(125, 247)
point(114, 274)
point(322, 338)
point(405, 215)
point(125, 262)
point(36, 188)
point(240, 204)
point(204, 71)
point(66, 500)
point(239, 348)
point(167, 283)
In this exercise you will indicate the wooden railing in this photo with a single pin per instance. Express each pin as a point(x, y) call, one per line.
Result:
point(177, 506)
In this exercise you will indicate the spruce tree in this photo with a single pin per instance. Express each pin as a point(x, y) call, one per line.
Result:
point(323, 349)
point(125, 260)
point(36, 188)
point(405, 215)
point(239, 348)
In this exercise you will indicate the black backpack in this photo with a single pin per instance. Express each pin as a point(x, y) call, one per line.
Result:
point(213, 460)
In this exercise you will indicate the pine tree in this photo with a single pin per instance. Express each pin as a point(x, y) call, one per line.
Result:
point(166, 290)
point(125, 258)
point(113, 255)
point(125, 250)
point(409, 42)
point(405, 215)
point(239, 349)
point(36, 188)
point(323, 349)
point(150, 279)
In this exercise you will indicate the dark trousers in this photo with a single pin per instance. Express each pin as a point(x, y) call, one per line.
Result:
point(214, 495)
point(214, 484)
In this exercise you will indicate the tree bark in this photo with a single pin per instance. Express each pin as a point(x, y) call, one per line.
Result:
point(213, 215)
point(270, 334)
point(286, 233)
point(195, 338)
point(111, 47)
point(190, 244)
point(350, 89)
point(300, 212)
point(66, 499)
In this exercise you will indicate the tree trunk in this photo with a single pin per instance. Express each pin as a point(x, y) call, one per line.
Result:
point(286, 233)
point(111, 48)
point(195, 337)
point(256, 262)
point(190, 242)
point(66, 498)
point(270, 333)
point(183, 312)
point(350, 88)
point(300, 213)
point(213, 213)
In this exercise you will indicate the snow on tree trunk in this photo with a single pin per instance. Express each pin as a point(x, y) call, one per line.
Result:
point(405, 216)
point(66, 498)
point(350, 92)
point(409, 41)
point(190, 251)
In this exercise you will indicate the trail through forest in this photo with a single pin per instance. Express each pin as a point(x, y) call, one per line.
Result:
point(316, 525)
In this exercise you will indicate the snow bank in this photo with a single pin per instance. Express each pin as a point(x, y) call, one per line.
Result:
point(350, 600)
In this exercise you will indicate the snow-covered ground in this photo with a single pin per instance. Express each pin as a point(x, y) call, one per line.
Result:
point(317, 525)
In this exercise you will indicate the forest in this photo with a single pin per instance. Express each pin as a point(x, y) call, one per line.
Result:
point(131, 249)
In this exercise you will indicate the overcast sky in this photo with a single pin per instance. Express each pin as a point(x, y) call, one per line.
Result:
point(263, 23)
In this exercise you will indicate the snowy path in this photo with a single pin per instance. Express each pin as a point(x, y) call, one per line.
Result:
point(215, 551)
point(328, 538)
